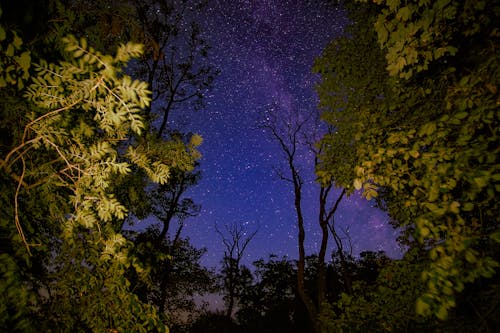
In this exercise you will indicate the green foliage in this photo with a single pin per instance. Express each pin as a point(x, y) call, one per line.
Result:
point(268, 303)
point(385, 304)
point(428, 132)
point(14, 60)
point(174, 62)
point(351, 83)
point(14, 297)
point(94, 108)
point(86, 108)
point(173, 277)
point(77, 142)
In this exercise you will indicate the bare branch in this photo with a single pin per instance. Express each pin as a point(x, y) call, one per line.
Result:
point(336, 205)
point(16, 208)
point(281, 175)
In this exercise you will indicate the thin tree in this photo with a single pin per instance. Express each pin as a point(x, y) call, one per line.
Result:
point(292, 133)
point(287, 133)
point(169, 205)
point(175, 62)
point(235, 240)
point(326, 216)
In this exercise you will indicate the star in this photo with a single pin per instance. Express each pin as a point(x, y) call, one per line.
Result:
point(265, 50)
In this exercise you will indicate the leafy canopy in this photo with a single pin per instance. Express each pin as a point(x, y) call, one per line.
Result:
point(417, 116)
point(75, 142)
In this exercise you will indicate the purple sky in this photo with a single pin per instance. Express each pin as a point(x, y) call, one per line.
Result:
point(265, 50)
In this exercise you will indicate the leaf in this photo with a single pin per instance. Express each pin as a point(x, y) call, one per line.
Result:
point(481, 181)
point(78, 53)
point(83, 43)
point(24, 60)
point(424, 232)
point(393, 4)
point(468, 207)
point(496, 236)
point(421, 307)
point(358, 183)
point(370, 194)
point(470, 257)
point(383, 34)
point(427, 129)
point(414, 153)
point(196, 140)
point(17, 41)
point(455, 207)
point(404, 13)
point(442, 313)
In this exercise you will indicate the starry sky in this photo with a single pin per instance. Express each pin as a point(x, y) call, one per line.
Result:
point(264, 50)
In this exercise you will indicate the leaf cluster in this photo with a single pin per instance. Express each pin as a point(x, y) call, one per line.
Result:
point(15, 61)
point(84, 111)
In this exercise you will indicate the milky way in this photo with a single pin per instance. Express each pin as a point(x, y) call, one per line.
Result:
point(264, 50)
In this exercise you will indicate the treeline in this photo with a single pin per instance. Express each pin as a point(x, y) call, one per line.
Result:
point(369, 293)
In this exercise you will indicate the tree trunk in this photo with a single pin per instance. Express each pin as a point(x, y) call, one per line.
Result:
point(308, 303)
point(323, 223)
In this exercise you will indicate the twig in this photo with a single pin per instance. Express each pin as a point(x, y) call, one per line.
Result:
point(16, 208)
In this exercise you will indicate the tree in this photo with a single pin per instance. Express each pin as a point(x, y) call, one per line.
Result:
point(69, 150)
point(418, 117)
point(214, 322)
point(175, 276)
point(234, 276)
point(382, 298)
point(327, 223)
point(269, 304)
point(175, 63)
point(168, 204)
point(289, 132)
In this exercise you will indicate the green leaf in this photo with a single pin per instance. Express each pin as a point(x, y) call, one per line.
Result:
point(470, 257)
point(455, 207)
point(24, 60)
point(427, 129)
point(468, 207)
point(78, 53)
point(422, 308)
point(424, 232)
point(83, 43)
point(496, 236)
point(17, 42)
point(404, 13)
point(383, 34)
point(481, 181)
point(196, 140)
point(442, 313)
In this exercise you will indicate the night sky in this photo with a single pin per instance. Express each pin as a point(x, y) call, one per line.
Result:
point(264, 50)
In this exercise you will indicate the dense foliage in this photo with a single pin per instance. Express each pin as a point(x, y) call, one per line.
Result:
point(61, 165)
point(412, 94)
point(77, 152)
